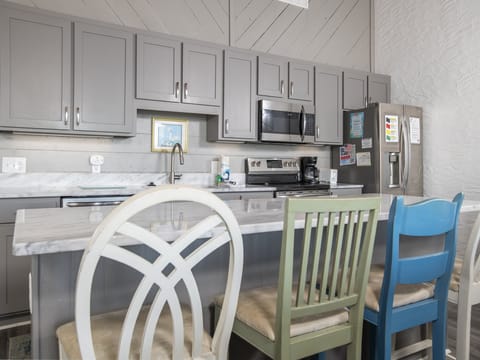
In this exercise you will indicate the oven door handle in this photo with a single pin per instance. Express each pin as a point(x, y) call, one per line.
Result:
point(303, 123)
point(92, 203)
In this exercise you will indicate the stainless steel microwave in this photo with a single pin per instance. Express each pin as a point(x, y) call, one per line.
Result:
point(286, 122)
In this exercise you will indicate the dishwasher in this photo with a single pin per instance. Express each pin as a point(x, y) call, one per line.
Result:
point(92, 200)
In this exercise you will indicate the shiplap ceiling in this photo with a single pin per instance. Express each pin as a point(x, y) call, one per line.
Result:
point(329, 31)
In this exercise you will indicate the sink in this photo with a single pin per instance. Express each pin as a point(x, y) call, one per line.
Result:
point(101, 187)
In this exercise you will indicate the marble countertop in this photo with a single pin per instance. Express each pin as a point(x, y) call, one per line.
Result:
point(43, 231)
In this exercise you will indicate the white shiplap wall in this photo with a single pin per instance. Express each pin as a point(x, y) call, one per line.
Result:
point(330, 31)
point(431, 49)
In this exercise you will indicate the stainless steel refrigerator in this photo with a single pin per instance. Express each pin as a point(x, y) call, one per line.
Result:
point(382, 149)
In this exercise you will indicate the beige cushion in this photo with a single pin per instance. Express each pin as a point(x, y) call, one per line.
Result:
point(404, 293)
point(106, 330)
point(457, 271)
point(257, 309)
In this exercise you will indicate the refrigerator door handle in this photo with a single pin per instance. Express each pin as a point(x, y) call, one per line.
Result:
point(407, 152)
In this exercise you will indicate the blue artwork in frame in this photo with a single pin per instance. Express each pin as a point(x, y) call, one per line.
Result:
point(168, 132)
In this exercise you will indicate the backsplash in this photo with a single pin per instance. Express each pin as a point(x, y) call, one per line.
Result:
point(68, 154)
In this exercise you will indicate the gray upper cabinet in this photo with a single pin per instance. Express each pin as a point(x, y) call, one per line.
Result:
point(161, 64)
point(103, 95)
point(328, 105)
point(202, 75)
point(36, 85)
point(354, 90)
point(158, 68)
point(272, 76)
point(239, 120)
point(35, 70)
point(378, 88)
point(300, 84)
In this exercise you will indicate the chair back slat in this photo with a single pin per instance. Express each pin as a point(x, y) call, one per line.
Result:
point(427, 218)
point(415, 270)
point(312, 296)
point(325, 272)
point(338, 255)
point(302, 281)
point(327, 253)
point(172, 264)
point(347, 254)
point(357, 242)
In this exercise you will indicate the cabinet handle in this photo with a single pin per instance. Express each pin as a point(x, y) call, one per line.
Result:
point(318, 131)
point(185, 90)
point(227, 126)
point(282, 87)
point(66, 116)
point(177, 89)
point(291, 88)
point(78, 116)
point(366, 101)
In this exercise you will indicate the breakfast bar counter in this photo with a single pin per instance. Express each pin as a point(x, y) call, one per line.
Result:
point(55, 238)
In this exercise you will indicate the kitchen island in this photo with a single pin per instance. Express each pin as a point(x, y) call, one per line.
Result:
point(55, 239)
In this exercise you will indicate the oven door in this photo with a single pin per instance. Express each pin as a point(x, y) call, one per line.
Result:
point(286, 122)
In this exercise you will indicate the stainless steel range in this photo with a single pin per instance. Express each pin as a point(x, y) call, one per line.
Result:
point(284, 174)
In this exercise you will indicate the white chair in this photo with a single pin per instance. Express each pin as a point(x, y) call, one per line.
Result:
point(153, 331)
point(465, 290)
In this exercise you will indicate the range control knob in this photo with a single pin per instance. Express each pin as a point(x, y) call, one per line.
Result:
point(258, 163)
point(285, 163)
point(294, 163)
point(289, 163)
point(252, 163)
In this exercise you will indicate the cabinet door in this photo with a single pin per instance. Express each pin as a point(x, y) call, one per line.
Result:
point(328, 105)
point(378, 88)
point(354, 90)
point(35, 70)
point(103, 96)
point(300, 85)
point(202, 75)
point(158, 68)
point(272, 75)
point(14, 276)
point(239, 96)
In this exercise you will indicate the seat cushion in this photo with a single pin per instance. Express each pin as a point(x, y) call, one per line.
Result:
point(106, 330)
point(257, 309)
point(404, 293)
point(456, 273)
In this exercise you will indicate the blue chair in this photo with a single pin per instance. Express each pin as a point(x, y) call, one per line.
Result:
point(411, 291)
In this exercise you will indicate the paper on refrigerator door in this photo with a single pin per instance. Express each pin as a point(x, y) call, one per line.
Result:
point(364, 159)
point(414, 130)
point(391, 128)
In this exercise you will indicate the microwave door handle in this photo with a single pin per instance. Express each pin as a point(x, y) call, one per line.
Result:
point(303, 123)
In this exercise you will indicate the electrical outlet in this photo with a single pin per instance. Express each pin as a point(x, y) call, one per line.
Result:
point(14, 165)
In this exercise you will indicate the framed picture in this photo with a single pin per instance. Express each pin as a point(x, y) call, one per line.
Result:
point(168, 132)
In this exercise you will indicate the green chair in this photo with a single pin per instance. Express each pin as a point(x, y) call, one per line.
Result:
point(321, 295)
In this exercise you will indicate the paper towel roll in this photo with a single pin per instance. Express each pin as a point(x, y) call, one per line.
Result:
point(224, 168)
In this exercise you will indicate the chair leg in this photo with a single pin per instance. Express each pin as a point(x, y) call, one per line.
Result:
point(439, 338)
point(464, 317)
point(383, 344)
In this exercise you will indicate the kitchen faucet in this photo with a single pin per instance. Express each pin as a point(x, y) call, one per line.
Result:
point(174, 176)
